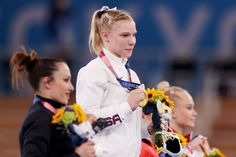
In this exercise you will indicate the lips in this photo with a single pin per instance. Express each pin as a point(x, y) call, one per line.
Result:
point(67, 94)
point(129, 49)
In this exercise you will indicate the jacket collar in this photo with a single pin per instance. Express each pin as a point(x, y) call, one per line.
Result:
point(114, 59)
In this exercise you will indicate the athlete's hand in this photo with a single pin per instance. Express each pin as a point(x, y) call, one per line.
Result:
point(86, 149)
point(135, 97)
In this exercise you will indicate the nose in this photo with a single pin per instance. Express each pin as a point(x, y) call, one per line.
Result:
point(132, 40)
point(71, 87)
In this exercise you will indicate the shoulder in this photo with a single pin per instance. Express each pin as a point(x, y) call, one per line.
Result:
point(37, 118)
point(38, 113)
point(95, 64)
point(95, 70)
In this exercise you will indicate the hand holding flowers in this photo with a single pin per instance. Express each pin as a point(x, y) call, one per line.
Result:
point(69, 114)
point(77, 124)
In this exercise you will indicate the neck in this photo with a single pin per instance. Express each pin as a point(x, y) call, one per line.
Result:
point(176, 127)
point(112, 52)
point(114, 58)
point(41, 97)
point(180, 129)
point(43, 94)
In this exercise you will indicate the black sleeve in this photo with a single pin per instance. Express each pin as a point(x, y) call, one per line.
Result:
point(37, 134)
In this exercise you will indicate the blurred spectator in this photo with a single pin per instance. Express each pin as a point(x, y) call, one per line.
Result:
point(60, 28)
point(182, 122)
point(5, 82)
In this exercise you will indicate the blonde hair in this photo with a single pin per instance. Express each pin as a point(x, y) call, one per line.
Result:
point(173, 92)
point(104, 19)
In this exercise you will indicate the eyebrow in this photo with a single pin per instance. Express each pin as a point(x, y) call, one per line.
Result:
point(192, 105)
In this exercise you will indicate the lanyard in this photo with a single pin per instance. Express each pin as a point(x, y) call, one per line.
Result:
point(126, 84)
point(45, 104)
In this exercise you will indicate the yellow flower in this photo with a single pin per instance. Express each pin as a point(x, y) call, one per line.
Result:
point(160, 95)
point(58, 116)
point(151, 94)
point(80, 114)
point(170, 103)
point(69, 114)
point(165, 99)
point(160, 149)
point(183, 140)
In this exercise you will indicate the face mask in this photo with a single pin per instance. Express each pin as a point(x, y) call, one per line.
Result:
point(172, 145)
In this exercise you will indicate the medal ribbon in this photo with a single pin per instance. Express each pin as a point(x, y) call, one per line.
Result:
point(45, 104)
point(126, 84)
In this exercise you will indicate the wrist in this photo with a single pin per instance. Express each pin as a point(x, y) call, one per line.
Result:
point(189, 148)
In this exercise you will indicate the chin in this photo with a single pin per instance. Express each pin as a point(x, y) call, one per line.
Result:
point(130, 54)
point(65, 102)
point(192, 125)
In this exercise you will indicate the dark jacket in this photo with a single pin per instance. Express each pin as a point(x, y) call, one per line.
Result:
point(40, 138)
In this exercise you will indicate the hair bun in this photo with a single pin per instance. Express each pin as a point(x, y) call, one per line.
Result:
point(33, 55)
point(162, 85)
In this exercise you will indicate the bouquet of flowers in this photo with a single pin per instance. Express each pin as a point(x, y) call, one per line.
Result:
point(68, 115)
point(166, 140)
point(77, 124)
point(160, 106)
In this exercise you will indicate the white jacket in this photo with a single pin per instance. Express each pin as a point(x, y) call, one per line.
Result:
point(99, 93)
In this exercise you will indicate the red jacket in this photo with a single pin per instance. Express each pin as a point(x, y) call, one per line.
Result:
point(148, 149)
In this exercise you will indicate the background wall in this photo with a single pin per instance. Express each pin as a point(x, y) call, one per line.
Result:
point(188, 43)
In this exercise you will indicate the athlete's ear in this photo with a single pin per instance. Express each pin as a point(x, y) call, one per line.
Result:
point(104, 36)
point(46, 82)
point(173, 113)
